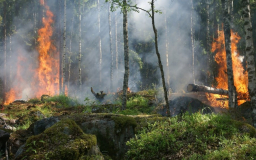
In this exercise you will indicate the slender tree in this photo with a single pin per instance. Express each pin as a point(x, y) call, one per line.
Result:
point(116, 49)
point(64, 50)
point(5, 41)
point(159, 57)
point(99, 38)
point(111, 48)
point(70, 51)
point(249, 57)
point(192, 41)
point(167, 51)
point(80, 47)
point(208, 44)
point(227, 32)
point(126, 48)
point(126, 54)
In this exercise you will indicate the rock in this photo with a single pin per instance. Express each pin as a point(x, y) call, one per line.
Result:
point(9, 127)
point(41, 125)
point(18, 101)
point(44, 97)
point(112, 131)
point(4, 137)
point(17, 139)
point(184, 104)
point(63, 140)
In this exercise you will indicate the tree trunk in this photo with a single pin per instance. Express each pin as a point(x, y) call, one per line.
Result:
point(126, 55)
point(99, 37)
point(201, 88)
point(192, 42)
point(80, 48)
point(167, 52)
point(208, 46)
point(70, 51)
point(5, 55)
point(64, 50)
point(35, 20)
point(116, 41)
point(60, 49)
point(159, 59)
point(111, 49)
point(249, 57)
point(227, 33)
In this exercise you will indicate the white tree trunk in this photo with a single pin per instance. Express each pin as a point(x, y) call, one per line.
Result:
point(111, 49)
point(99, 37)
point(249, 57)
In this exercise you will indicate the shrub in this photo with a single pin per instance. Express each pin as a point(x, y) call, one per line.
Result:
point(196, 136)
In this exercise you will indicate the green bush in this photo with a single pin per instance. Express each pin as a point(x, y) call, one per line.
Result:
point(193, 136)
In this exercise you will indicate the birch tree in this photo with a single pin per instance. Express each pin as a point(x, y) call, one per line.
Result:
point(99, 38)
point(111, 49)
point(249, 57)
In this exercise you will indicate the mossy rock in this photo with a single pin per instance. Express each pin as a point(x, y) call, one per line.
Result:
point(122, 122)
point(64, 140)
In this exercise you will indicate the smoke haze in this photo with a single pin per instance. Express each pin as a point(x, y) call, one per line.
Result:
point(178, 15)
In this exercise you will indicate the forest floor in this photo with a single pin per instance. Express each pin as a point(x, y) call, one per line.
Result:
point(186, 136)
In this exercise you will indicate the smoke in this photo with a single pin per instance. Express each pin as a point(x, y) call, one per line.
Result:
point(178, 15)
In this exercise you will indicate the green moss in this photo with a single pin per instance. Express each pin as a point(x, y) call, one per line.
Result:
point(245, 128)
point(122, 122)
point(64, 140)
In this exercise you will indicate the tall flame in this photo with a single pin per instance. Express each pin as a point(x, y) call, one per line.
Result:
point(46, 75)
point(240, 75)
point(48, 70)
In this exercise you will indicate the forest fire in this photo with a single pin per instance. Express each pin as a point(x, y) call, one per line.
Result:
point(240, 75)
point(45, 78)
point(47, 72)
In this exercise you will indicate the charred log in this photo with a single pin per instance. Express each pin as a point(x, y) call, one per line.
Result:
point(100, 96)
point(201, 88)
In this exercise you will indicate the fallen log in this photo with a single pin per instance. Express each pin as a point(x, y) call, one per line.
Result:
point(201, 88)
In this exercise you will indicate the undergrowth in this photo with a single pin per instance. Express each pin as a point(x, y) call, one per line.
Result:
point(194, 136)
point(63, 100)
point(135, 105)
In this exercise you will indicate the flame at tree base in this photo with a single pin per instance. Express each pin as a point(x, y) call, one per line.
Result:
point(240, 75)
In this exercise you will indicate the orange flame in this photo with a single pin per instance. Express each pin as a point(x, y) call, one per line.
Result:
point(240, 75)
point(48, 70)
point(10, 97)
point(46, 76)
